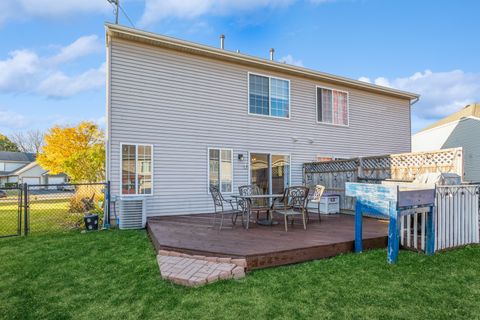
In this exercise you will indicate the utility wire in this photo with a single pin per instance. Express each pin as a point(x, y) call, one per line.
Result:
point(116, 5)
point(126, 15)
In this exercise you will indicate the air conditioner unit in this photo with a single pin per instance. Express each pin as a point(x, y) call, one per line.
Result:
point(132, 213)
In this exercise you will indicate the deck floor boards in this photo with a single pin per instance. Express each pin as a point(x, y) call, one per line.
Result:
point(264, 246)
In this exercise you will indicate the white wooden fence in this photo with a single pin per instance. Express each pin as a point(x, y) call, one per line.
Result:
point(456, 219)
point(456, 216)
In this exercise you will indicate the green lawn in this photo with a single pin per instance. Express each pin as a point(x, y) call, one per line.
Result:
point(46, 215)
point(114, 275)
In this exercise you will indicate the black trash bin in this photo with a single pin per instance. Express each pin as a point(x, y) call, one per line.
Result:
point(91, 222)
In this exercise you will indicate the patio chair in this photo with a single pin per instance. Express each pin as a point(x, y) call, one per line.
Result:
point(295, 204)
point(279, 203)
point(224, 207)
point(315, 198)
point(256, 205)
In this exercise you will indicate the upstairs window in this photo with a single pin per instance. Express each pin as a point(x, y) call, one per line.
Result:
point(332, 106)
point(136, 169)
point(269, 96)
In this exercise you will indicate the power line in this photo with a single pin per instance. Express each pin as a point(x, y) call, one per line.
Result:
point(116, 5)
point(126, 15)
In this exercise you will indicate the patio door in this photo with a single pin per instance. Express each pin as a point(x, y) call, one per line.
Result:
point(270, 172)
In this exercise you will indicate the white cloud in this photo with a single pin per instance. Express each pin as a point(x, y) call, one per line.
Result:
point(16, 71)
point(157, 10)
point(442, 93)
point(59, 85)
point(83, 46)
point(24, 9)
point(12, 120)
point(289, 59)
point(26, 71)
point(365, 79)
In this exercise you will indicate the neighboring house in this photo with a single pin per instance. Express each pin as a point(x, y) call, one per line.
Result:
point(461, 129)
point(20, 167)
point(182, 116)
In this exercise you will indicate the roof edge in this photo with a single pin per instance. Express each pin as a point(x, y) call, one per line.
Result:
point(114, 30)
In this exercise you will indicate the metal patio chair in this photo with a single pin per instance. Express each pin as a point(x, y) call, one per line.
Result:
point(295, 204)
point(315, 198)
point(256, 205)
point(224, 207)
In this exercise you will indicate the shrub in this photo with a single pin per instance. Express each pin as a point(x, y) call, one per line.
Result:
point(11, 184)
point(77, 208)
point(73, 220)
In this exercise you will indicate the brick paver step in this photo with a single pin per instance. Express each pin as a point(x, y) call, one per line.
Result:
point(189, 270)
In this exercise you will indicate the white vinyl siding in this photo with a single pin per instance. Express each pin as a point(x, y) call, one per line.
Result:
point(463, 133)
point(184, 104)
point(268, 96)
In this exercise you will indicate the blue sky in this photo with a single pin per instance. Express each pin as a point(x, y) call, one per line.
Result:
point(52, 52)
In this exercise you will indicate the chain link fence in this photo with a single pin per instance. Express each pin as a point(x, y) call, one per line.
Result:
point(34, 209)
point(10, 211)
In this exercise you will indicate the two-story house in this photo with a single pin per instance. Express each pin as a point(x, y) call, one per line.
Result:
point(183, 116)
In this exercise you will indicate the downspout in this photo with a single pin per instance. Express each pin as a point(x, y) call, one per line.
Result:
point(412, 102)
point(108, 94)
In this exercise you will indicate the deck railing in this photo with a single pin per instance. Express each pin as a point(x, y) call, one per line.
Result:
point(397, 167)
point(456, 219)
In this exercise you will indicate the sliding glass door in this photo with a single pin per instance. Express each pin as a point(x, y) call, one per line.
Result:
point(270, 172)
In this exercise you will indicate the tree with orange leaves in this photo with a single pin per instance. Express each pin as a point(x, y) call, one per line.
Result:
point(79, 152)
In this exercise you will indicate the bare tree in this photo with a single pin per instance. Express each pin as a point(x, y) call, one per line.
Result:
point(29, 141)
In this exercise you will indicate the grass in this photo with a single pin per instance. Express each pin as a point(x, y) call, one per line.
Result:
point(114, 275)
point(45, 215)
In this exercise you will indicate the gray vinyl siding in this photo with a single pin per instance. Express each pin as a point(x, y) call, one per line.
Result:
point(466, 134)
point(183, 104)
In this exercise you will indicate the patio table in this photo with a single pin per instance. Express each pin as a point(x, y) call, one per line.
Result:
point(263, 222)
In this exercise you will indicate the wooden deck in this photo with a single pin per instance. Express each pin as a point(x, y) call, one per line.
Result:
point(264, 246)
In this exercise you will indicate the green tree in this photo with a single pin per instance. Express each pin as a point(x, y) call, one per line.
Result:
point(7, 145)
point(79, 152)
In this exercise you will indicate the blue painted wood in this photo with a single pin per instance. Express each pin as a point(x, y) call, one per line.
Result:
point(393, 234)
point(372, 192)
point(430, 241)
point(381, 201)
point(358, 227)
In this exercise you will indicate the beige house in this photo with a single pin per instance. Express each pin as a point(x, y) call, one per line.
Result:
point(461, 129)
point(21, 167)
point(183, 116)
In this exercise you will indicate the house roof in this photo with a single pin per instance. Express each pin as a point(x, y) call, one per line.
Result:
point(17, 156)
point(19, 170)
point(470, 110)
point(117, 31)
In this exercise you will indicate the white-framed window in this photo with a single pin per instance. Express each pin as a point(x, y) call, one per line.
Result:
point(136, 169)
point(220, 169)
point(268, 96)
point(332, 106)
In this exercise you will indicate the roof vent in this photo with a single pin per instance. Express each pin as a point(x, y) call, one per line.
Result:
point(272, 51)
point(222, 41)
